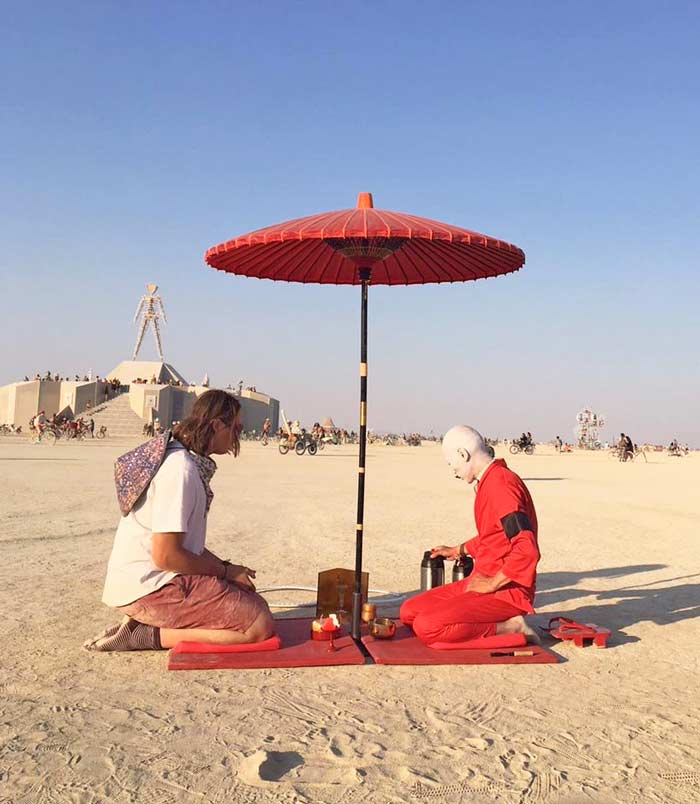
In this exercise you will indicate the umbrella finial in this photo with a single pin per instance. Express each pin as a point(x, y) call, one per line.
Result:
point(364, 201)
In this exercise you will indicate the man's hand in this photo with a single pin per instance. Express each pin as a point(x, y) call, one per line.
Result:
point(485, 584)
point(450, 553)
point(240, 575)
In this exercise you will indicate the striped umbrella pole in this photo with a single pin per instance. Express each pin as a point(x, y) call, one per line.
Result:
point(365, 275)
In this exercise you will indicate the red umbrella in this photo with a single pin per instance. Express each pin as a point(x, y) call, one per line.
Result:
point(364, 246)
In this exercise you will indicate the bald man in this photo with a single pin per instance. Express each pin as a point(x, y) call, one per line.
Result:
point(501, 589)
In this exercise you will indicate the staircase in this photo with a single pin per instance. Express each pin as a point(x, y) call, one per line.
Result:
point(118, 417)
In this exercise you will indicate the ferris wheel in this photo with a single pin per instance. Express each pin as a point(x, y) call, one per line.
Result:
point(588, 427)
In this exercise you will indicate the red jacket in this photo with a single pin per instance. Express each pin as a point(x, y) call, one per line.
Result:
point(506, 524)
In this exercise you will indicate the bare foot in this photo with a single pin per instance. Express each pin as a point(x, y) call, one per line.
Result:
point(518, 625)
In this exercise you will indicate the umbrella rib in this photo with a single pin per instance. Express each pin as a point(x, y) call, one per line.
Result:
point(317, 247)
point(450, 254)
point(249, 255)
point(438, 262)
point(434, 226)
point(394, 260)
point(346, 222)
point(341, 264)
point(297, 260)
point(309, 222)
point(287, 254)
point(450, 266)
point(477, 264)
point(329, 254)
point(416, 265)
point(335, 220)
point(478, 260)
point(380, 214)
point(490, 262)
point(263, 235)
point(400, 228)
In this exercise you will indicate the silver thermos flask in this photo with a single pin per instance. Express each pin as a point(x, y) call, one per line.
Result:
point(432, 571)
point(462, 568)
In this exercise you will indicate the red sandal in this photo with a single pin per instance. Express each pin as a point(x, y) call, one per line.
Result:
point(577, 632)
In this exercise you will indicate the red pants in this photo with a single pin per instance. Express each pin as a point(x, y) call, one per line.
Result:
point(451, 614)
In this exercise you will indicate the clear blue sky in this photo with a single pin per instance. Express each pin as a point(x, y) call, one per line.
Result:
point(133, 136)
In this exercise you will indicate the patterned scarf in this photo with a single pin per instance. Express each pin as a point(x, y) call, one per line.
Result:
point(206, 467)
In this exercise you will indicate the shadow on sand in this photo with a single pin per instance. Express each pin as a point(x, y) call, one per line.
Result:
point(625, 606)
point(616, 609)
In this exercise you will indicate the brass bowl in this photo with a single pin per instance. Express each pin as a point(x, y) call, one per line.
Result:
point(382, 628)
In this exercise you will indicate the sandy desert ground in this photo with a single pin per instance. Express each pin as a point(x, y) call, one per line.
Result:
point(620, 547)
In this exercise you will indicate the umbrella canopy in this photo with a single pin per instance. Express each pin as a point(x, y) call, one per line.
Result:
point(364, 246)
point(331, 247)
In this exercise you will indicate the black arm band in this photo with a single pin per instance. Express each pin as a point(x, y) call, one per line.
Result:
point(514, 523)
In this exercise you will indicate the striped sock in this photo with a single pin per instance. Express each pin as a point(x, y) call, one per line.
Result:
point(131, 635)
point(112, 629)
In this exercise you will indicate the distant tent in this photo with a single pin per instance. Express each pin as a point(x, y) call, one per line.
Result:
point(205, 381)
point(327, 423)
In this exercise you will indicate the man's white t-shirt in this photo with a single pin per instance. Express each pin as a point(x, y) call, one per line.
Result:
point(174, 503)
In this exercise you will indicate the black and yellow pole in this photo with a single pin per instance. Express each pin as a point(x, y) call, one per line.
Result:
point(365, 275)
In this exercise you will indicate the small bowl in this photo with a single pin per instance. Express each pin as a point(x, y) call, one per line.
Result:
point(325, 636)
point(382, 628)
point(319, 635)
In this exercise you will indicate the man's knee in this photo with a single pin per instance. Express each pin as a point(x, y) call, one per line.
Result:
point(407, 612)
point(427, 628)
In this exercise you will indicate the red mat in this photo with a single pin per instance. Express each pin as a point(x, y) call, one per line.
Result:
point(495, 642)
point(406, 648)
point(273, 643)
point(298, 650)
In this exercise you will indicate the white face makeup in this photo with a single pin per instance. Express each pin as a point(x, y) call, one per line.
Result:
point(465, 452)
point(459, 461)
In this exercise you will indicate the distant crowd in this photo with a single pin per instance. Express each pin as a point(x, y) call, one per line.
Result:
point(114, 383)
point(239, 388)
point(51, 377)
point(155, 381)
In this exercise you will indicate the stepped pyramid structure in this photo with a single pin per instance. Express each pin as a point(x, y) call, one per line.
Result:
point(118, 417)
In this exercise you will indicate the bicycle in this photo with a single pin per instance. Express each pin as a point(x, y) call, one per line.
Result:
point(306, 443)
point(47, 435)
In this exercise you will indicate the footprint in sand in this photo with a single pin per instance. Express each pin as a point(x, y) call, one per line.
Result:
point(268, 766)
point(478, 742)
point(265, 768)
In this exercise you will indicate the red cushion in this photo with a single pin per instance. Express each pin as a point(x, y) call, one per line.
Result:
point(297, 650)
point(483, 643)
point(273, 643)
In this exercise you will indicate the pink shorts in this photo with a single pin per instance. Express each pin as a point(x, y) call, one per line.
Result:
point(198, 601)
